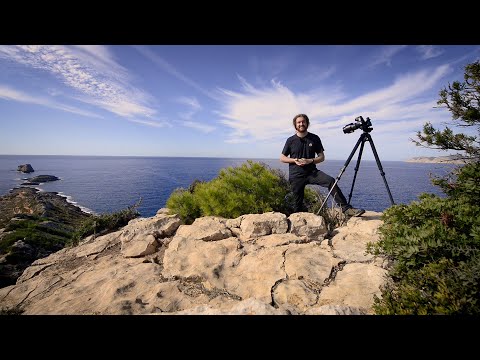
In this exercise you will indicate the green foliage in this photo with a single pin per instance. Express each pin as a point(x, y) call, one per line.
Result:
point(33, 237)
point(462, 100)
point(185, 204)
point(251, 188)
point(462, 182)
point(442, 287)
point(32, 231)
point(104, 223)
point(23, 222)
point(434, 244)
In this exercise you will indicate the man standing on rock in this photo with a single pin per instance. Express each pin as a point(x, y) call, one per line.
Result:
point(301, 152)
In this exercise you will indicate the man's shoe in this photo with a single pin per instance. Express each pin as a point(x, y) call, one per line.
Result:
point(353, 212)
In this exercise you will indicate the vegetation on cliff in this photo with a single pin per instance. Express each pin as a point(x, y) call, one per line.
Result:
point(105, 223)
point(38, 218)
point(434, 243)
point(251, 188)
point(34, 224)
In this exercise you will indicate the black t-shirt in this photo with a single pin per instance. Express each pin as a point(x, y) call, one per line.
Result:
point(306, 147)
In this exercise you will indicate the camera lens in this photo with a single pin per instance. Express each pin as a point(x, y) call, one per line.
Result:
point(360, 123)
point(349, 128)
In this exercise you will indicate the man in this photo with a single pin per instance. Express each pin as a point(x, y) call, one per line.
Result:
point(302, 151)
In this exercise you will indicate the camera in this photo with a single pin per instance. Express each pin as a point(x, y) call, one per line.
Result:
point(366, 125)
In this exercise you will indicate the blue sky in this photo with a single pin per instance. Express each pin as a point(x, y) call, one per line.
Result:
point(221, 100)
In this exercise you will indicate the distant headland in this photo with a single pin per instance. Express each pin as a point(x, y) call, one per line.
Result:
point(450, 159)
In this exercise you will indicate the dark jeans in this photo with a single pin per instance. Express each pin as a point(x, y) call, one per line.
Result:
point(316, 178)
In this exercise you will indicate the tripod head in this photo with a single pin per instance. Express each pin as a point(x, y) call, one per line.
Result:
point(366, 125)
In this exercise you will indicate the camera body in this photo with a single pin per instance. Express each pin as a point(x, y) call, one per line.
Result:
point(366, 125)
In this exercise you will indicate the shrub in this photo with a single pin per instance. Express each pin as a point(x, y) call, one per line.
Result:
point(251, 188)
point(185, 204)
point(434, 245)
point(105, 223)
point(442, 287)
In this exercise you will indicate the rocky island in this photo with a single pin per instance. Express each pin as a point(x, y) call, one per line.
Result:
point(37, 180)
point(25, 168)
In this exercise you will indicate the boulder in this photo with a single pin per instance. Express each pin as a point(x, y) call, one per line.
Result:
point(25, 168)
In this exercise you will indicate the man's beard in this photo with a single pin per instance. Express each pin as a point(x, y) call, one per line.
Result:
point(301, 131)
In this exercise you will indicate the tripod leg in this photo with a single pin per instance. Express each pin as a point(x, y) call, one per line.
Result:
point(357, 166)
point(360, 140)
point(380, 167)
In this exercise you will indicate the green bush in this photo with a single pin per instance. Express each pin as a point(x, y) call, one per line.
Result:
point(185, 204)
point(104, 223)
point(434, 244)
point(32, 232)
point(441, 287)
point(251, 188)
point(33, 236)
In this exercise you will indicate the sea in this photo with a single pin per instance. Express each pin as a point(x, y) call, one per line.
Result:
point(106, 184)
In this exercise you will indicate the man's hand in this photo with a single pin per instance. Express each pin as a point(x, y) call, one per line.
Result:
point(302, 161)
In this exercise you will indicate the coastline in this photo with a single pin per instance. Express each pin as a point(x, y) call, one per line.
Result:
point(437, 160)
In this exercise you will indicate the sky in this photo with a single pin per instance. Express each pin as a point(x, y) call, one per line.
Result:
point(234, 101)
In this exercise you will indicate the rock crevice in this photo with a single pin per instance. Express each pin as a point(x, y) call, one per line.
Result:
point(255, 264)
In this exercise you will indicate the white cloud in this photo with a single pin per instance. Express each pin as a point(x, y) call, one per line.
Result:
point(316, 74)
point(91, 71)
point(405, 87)
point(386, 54)
point(193, 107)
point(270, 66)
point(198, 126)
point(54, 92)
point(190, 101)
point(312, 74)
point(236, 141)
point(169, 68)
point(261, 114)
point(124, 107)
point(152, 123)
point(429, 51)
point(8, 93)
point(100, 57)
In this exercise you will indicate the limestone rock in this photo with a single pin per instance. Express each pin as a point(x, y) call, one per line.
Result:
point(249, 265)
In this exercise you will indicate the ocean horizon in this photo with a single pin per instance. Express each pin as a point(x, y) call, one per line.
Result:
point(105, 184)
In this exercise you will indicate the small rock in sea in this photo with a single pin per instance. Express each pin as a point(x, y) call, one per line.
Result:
point(42, 178)
point(25, 168)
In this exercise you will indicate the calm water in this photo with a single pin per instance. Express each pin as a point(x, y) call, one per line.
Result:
point(106, 184)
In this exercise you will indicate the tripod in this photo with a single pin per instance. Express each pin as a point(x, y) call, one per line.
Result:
point(363, 138)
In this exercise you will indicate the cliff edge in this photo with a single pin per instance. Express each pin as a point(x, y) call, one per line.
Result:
point(254, 264)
